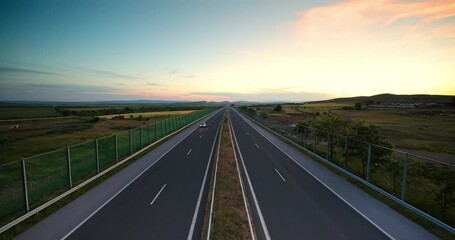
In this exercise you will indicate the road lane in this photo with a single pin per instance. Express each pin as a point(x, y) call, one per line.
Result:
point(295, 205)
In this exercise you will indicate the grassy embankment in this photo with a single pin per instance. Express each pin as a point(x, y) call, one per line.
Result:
point(229, 214)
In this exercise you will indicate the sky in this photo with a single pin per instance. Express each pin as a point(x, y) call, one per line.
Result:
point(216, 50)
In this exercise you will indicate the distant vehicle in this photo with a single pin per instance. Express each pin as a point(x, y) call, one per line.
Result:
point(203, 125)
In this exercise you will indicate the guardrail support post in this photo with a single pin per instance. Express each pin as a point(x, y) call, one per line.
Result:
point(131, 142)
point(68, 159)
point(405, 176)
point(367, 178)
point(24, 180)
point(97, 157)
point(116, 148)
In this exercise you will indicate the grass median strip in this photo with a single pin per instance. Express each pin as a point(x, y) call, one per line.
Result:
point(230, 219)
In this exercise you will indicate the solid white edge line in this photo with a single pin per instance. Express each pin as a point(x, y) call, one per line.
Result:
point(250, 224)
point(320, 181)
point(189, 152)
point(193, 223)
point(214, 185)
point(129, 183)
point(280, 175)
point(158, 194)
point(261, 217)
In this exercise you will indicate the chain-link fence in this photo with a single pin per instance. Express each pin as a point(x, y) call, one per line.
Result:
point(424, 183)
point(28, 183)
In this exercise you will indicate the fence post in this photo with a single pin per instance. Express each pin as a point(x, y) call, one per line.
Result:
point(162, 128)
point(345, 152)
point(329, 157)
point(131, 142)
point(142, 142)
point(156, 132)
point(368, 163)
point(304, 137)
point(150, 136)
point(97, 157)
point(24, 180)
point(405, 176)
point(314, 141)
point(68, 158)
point(116, 148)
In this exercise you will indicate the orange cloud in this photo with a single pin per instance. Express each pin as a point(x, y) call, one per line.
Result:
point(381, 22)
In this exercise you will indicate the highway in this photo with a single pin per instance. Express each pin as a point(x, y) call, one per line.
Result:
point(295, 205)
point(165, 201)
point(161, 203)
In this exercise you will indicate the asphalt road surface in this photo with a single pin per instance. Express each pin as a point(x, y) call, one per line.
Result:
point(294, 205)
point(162, 202)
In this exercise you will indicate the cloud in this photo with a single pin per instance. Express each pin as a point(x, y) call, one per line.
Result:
point(59, 92)
point(16, 70)
point(377, 22)
point(104, 73)
point(153, 84)
point(267, 95)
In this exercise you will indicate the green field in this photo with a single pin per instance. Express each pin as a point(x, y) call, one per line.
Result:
point(410, 129)
point(25, 111)
point(429, 130)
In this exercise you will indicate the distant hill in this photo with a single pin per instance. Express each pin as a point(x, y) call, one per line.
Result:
point(391, 98)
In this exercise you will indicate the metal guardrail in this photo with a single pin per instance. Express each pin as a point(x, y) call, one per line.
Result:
point(420, 184)
point(33, 182)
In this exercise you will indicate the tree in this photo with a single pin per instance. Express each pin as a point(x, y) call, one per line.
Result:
point(278, 108)
point(330, 124)
point(444, 178)
point(363, 134)
point(358, 106)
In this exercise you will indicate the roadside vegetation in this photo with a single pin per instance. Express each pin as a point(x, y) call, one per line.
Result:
point(229, 213)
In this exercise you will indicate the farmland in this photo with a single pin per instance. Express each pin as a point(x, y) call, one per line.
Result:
point(26, 111)
point(147, 114)
point(425, 131)
point(40, 128)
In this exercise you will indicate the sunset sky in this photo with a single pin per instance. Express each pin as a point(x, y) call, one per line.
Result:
point(259, 50)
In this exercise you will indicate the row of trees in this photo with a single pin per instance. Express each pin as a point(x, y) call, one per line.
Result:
point(72, 111)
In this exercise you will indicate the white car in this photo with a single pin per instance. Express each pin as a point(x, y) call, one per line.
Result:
point(203, 125)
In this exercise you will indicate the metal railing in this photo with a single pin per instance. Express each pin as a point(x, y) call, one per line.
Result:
point(424, 185)
point(29, 183)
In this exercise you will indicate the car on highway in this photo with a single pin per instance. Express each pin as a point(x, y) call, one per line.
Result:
point(203, 125)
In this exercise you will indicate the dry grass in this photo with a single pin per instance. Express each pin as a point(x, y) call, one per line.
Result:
point(229, 214)
point(148, 114)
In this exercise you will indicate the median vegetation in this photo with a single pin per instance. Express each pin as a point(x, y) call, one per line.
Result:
point(229, 219)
